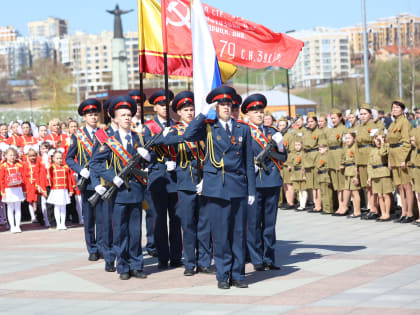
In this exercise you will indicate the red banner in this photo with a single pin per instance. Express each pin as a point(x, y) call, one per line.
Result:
point(236, 40)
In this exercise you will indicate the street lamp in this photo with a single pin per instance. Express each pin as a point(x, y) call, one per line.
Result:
point(400, 92)
point(365, 55)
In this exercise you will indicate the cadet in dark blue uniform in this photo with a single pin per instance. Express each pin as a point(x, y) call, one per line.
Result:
point(78, 156)
point(150, 212)
point(162, 185)
point(262, 214)
point(97, 183)
point(194, 220)
point(117, 151)
point(228, 183)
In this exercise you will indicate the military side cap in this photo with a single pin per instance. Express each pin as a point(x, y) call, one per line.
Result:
point(221, 94)
point(311, 115)
point(91, 105)
point(121, 102)
point(282, 118)
point(237, 101)
point(322, 115)
point(181, 99)
point(159, 97)
point(335, 111)
point(137, 95)
point(366, 106)
point(254, 101)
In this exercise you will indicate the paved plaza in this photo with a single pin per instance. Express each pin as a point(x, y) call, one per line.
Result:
point(330, 265)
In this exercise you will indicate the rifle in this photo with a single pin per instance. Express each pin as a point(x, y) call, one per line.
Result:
point(126, 173)
point(268, 152)
point(82, 182)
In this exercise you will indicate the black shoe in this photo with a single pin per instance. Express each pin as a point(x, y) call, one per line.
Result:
point(176, 264)
point(352, 216)
point(152, 253)
point(206, 270)
point(408, 219)
point(271, 266)
point(399, 220)
point(383, 220)
point(223, 285)
point(335, 214)
point(189, 272)
point(259, 267)
point(239, 284)
point(372, 216)
point(101, 255)
point(93, 257)
point(139, 274)
point(288, 207)
point(125, 276)
point(110, 267)
point(162, 265)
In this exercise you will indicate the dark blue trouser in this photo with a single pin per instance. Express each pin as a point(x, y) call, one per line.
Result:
point(127, 237)
point(262, 216)
point(93, 217)
point(165, 203)
point(150, 222)
point(109, 254)
point(228, 226)
point(195, 230)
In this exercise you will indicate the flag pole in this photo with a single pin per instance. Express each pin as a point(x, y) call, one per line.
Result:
point(141, 97)
point(140, 27)
point(165, 59)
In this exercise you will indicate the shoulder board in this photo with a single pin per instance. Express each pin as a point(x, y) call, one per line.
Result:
point(101, 135)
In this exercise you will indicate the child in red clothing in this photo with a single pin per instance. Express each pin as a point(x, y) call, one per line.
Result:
point(62, 185)
point(12, 188)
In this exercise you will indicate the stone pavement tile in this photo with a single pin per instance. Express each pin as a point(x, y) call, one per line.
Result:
point(331, 266)
point(381, 311)
point(321, 310)
point(390, 300)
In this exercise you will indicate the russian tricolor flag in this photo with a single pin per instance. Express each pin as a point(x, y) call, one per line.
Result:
point(206, 72)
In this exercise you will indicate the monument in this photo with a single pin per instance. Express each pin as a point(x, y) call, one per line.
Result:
point(119, 54)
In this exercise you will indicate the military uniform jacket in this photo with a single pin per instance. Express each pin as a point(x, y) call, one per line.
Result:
point(79, 154)
point(335, 145)
point(157, 167)
point(365, 142)
point(310, 147)
point(416, 151)
point(94, 176)
point(228, 170)
point(289, 145)
point(296, 164)
point(108, 165)
point(398, 138)
point(187, 174)
point(348, 160)
point(378, 162)
point(321, 166)
point(272, 178)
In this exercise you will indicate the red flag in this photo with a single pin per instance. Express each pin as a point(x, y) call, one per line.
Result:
point(236, 40)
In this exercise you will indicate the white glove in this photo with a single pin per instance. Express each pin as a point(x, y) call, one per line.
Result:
point(256, 168)
point(170, 165)
point(118, 181)
point(85, 173)
point(100, 189)
point(199, 187)
point(144, 154)
point(278, 139)
point(251, 200)
point(166, 131)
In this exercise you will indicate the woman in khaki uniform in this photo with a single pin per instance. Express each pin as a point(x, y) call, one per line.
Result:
point(352, 180)
point(353, 121)
point(415, 166)
point(398, 137)
point(286, 172)
point(310, 139)
point(365, 145)
point(322, 124)
point(379, 175)
point(334, 138)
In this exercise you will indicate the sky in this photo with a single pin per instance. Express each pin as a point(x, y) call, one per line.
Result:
point(279, 15)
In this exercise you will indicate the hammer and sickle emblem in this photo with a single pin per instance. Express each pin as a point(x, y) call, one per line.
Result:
point(184, 17)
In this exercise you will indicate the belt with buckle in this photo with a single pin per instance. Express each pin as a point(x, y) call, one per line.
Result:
point(311, 150)
point(365, 146)
point(349, 164)
point(322, 172)
point(395, 145)
point(336, 147)
point(378, 166)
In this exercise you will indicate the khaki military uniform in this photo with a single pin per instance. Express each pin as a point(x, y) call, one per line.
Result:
point(365, 145)
point(378, 170)
point(415, 161)
point(324, 181)
point(334, 137)
point(348, 160)
point(297, 171)
point(289, 146)
point(398, 138)
point(310, 146)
